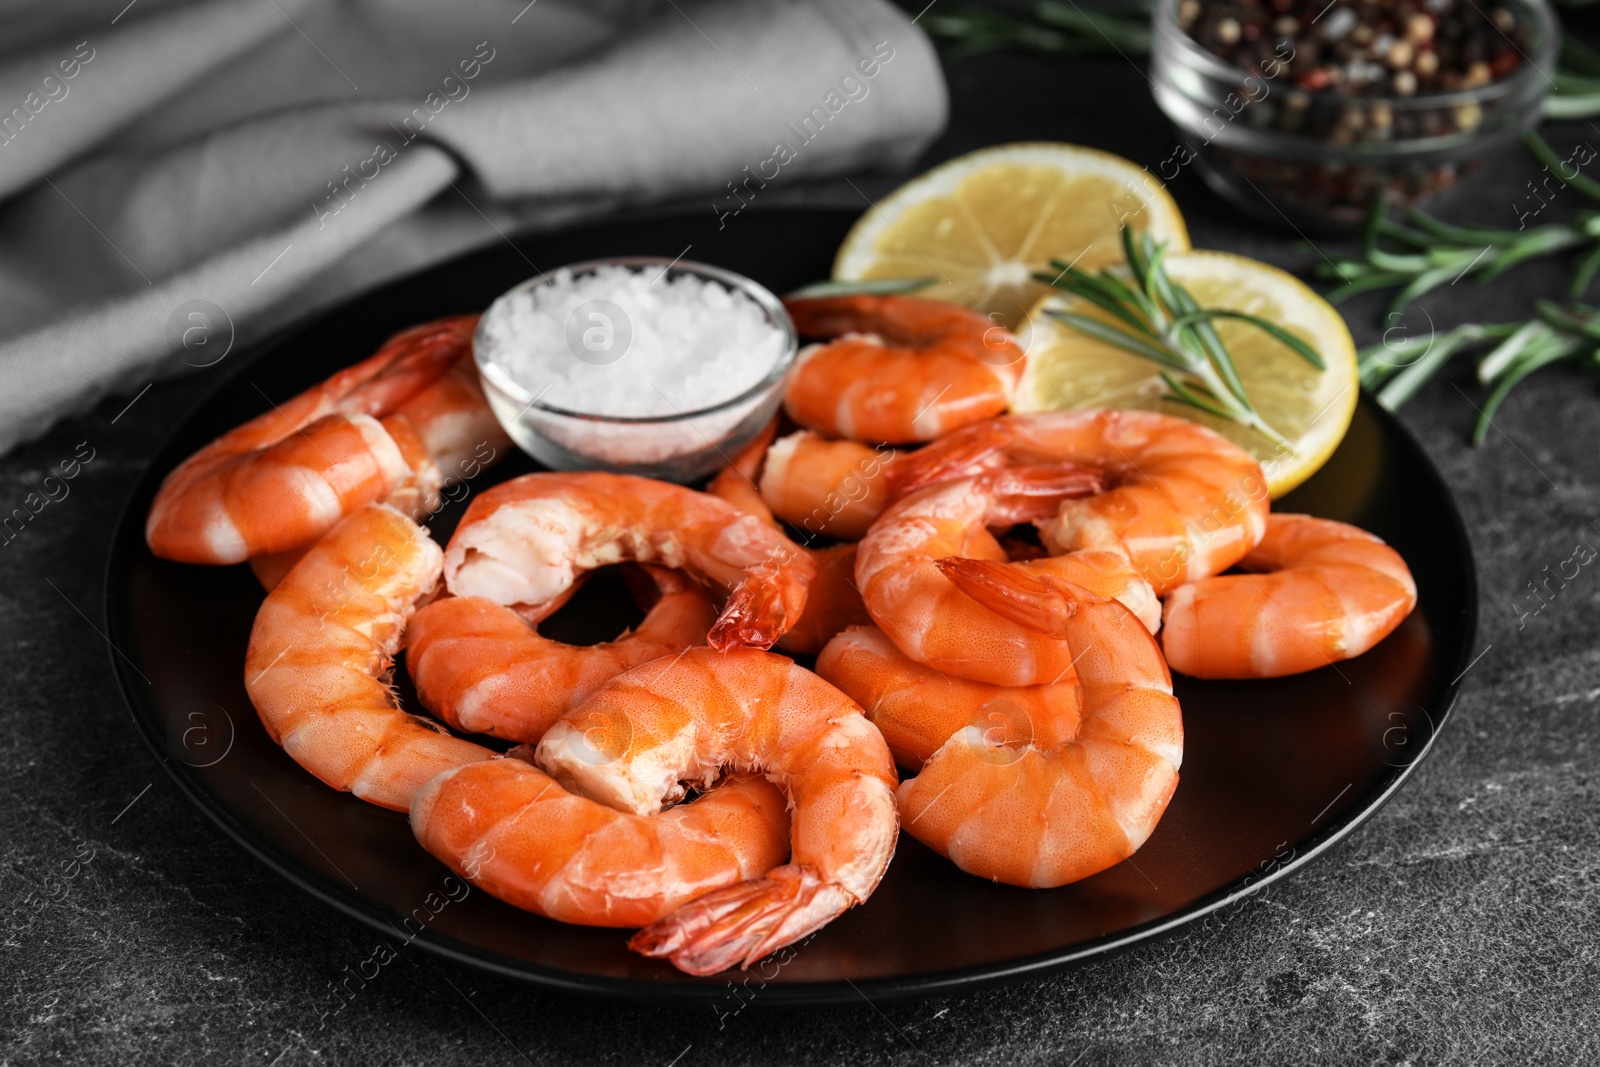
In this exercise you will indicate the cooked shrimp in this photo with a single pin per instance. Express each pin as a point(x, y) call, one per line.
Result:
point(482, 669)
point(918, 709)
point(902, 369)
point(641, 735)
point(826, 488)
point(832, 601)
point(284, 478)
point(1320, 591)
point(448, 435)
point(737, 482)
point(458, 431)
point(269, 570)
point(1183, 502)
point(321, 652)
point(936, 623)
point(1074, 798)
point(510, 829)
point(525, 541)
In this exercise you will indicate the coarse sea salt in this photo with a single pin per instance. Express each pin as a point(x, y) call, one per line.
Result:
point(624, 342)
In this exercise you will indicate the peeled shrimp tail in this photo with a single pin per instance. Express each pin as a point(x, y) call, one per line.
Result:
point(1032, 493)
point(970, 451)
point(1011, 594)
point(744, 923)
point(764, 606)
point(832, 602)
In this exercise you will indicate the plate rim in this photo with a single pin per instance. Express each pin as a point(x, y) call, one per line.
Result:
point(791, 995)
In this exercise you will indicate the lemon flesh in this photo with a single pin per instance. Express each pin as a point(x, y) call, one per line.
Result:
point(982, 224)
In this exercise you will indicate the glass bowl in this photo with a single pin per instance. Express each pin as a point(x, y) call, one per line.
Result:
point(683, 446)
point(1321, 160)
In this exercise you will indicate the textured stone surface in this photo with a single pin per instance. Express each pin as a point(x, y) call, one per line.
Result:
point(1458, 926)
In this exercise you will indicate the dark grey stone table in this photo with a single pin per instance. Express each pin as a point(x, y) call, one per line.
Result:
point(1461, 925)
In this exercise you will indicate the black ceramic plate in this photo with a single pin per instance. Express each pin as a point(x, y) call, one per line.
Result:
point(1274, 772)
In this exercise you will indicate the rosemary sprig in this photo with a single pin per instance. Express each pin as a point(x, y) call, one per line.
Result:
point(1577, 81)
point(1052, 28)
point(1419, 253)
point(1155, 318)
point(1558, 334)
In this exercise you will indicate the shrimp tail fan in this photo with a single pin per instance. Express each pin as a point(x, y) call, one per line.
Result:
point(743, 923)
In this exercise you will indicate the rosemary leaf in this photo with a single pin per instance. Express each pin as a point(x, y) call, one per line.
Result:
point(1092, 289)
point(1299, 347)
point(1184, 395)
point(1180, 299)
point(1102, 331)
point(1465, 235)
point(1508, 382)
point(1412, 377)
point(1502, 355)
point(1424, 282)
point(1536, 243)
point(1545, 154)
point(1585, 271)
point(1381, 280)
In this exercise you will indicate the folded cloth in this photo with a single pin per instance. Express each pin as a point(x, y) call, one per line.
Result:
point(225, 166)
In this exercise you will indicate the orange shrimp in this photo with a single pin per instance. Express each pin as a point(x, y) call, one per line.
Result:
point(1067, 799)
point(1182, 502)
point(634, 742)
point(450, 435)
point(918, 709)
point(936, 623)
point(832, 602)
point(270, 570)
point(321, 652)
point(902, 369)
point(285, 478)
point(457, 429)
point(1320, 591)
point(525, 541)
point(510, 829)
point(482, 669)
point(826, 488)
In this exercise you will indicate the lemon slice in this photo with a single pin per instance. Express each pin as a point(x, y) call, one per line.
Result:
point(983, 223)
point(1311, 408)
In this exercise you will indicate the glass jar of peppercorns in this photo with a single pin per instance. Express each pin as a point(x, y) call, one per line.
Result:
point(1309, 111)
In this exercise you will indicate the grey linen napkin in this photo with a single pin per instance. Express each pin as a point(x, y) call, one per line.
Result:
point(196, 173)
